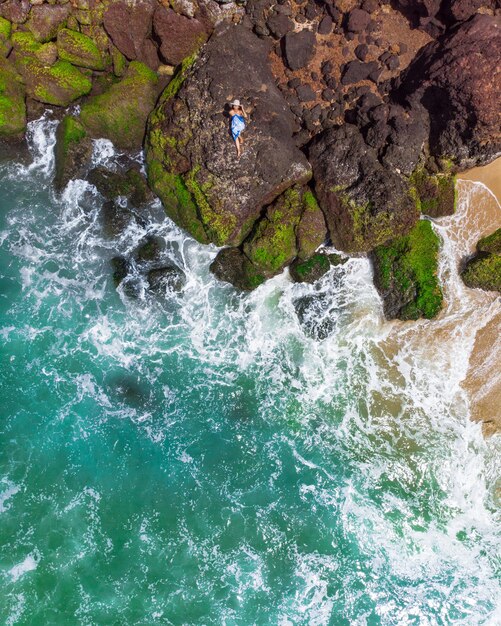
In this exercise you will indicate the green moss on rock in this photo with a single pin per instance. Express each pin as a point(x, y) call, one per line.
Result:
point(311, 231)
point(12, 101)
point(272, 246)
point(119, 61)
point(72, 152)
point(120, 114)
point(315, 267)
point(435, 193)
point(177, 199)
point(218, 224)
point(79, 50)
point(491, 243)
point(406, 274)
point(24, 43)
point(58, 84)
point(5, 28)
point(483, 272)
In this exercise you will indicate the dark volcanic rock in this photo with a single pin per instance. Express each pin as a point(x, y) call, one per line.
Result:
point(415, 10)
point(115, 219)
point(458, 80)
point(357, 21)
point(130, 184)
point(305, 93)
point(364, 203)
point(299, 48)
point(179, 36)
point(167, 278)
point(45, 19)
point(325, 26)
point(191, 160)
point(279, 25)
point(354, 71)
point(232, 266)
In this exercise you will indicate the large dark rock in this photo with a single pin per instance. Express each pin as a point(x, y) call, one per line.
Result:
point(232, 266)
point(179, 36)
point(483, 271)
point(458, 80)
point(120, 113)
point(357, 21)
point(299, 48)
point(405, 274)
point(130, 184)
point(191, 158)
point(167, 278)
point(365, 204)
point(46, 19)
point(15, 11)
point(129, 25)
point(354, 71)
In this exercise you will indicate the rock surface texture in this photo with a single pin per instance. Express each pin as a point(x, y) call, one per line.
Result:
point(191, 161)
point(457, 78)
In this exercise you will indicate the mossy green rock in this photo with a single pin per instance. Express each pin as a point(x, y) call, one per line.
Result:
point(436, 193)
point(273, 245)
point(232, 266)
point(491, 243)
point(120, 114)
point(59, 84)
point(46, 19)
point(405, 274)
point(72, 152)
point(5, 28)
point(311, 231)
point(12, 102)
point(79, 50)
point(315, 267)
point(483, 272)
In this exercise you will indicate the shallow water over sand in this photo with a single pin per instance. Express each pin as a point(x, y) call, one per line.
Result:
point(205, 458)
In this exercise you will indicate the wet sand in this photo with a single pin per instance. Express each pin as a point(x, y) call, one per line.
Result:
point(489, 175)
point(483, 378)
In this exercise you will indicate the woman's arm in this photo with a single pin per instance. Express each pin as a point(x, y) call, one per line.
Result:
point(243, 112)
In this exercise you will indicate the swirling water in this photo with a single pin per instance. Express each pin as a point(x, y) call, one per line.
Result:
point(208, 457)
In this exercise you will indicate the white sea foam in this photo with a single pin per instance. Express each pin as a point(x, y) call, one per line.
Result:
point(8, 489)
point(29, 564)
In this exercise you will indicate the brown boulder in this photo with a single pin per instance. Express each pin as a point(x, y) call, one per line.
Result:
point(46, 19)
point(15, 11)
point(179, 36)
point(299, 48)
point(458, 80)
point(365, 204)
point(129, 26)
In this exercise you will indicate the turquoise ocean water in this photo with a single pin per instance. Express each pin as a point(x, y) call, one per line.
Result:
point(206, 458)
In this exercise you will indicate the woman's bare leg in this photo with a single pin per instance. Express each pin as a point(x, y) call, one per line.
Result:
point(237, 144)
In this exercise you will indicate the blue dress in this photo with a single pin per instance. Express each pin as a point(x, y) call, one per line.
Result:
point(237, 126)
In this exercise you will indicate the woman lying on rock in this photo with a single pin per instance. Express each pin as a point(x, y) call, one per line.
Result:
point(237, 125)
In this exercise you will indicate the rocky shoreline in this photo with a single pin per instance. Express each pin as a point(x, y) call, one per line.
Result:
point(361, 115)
